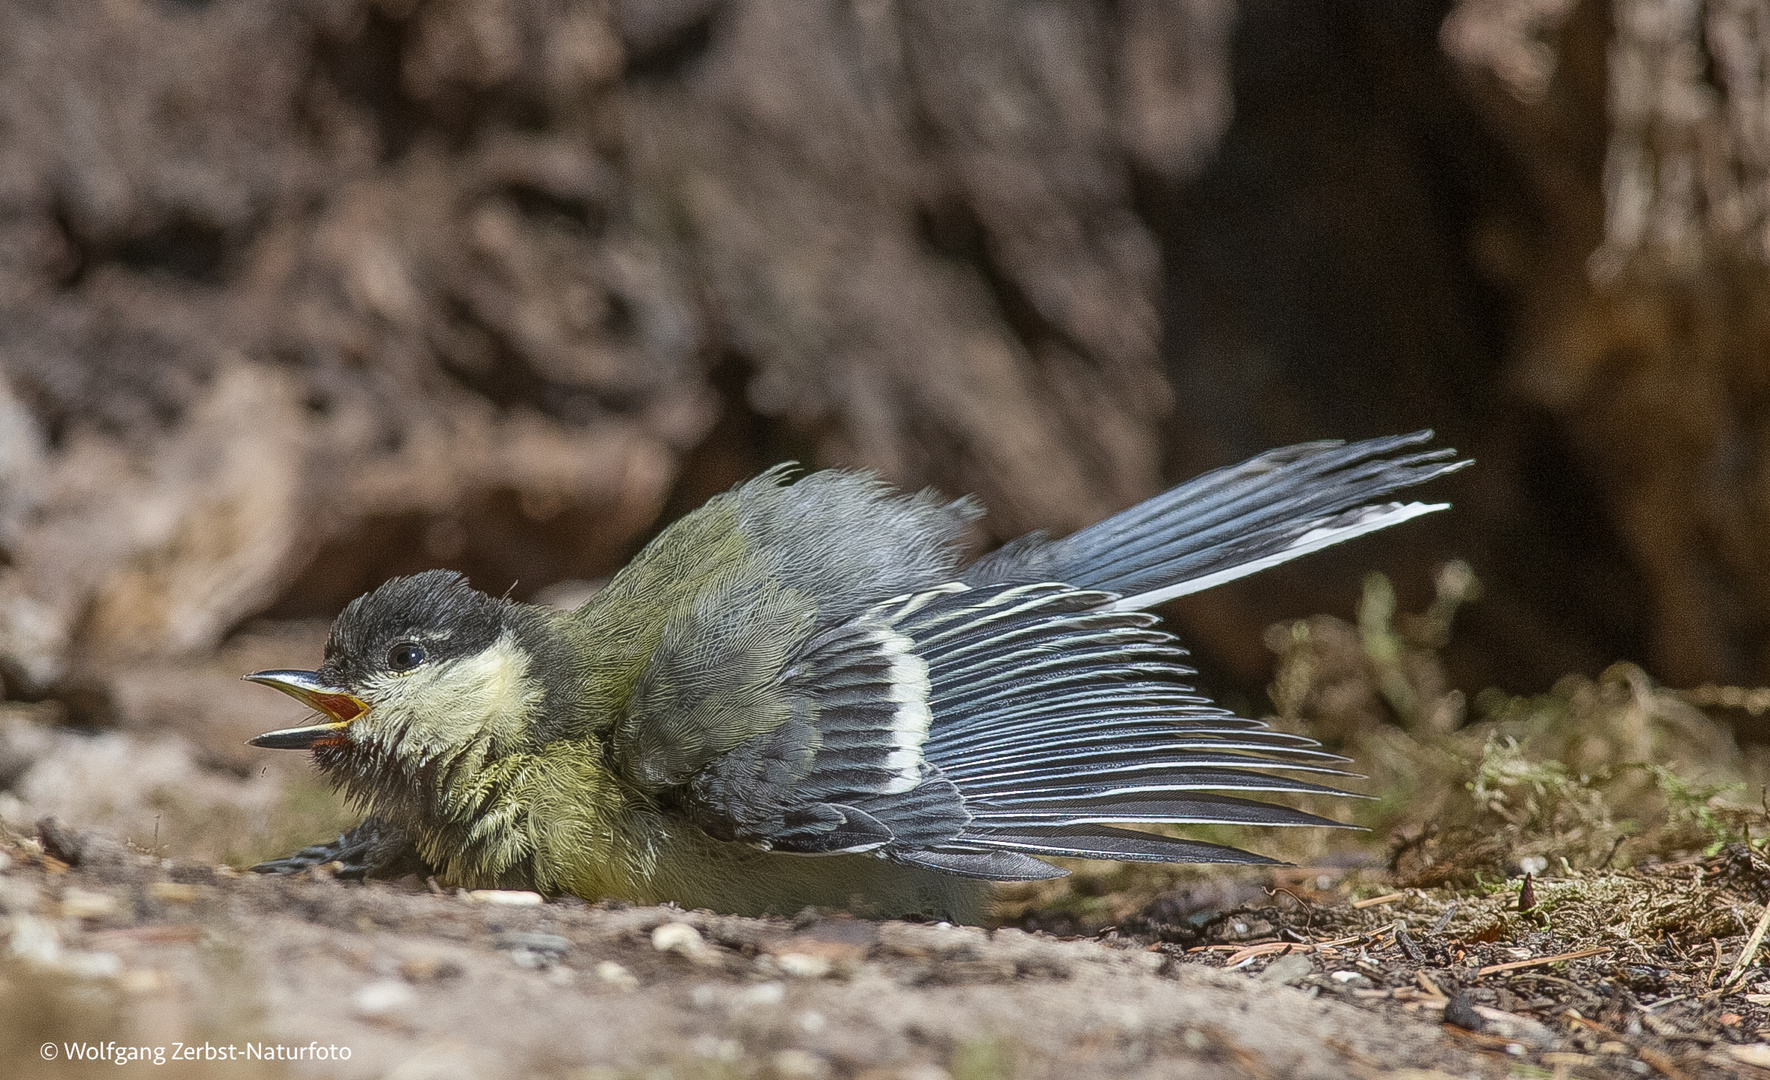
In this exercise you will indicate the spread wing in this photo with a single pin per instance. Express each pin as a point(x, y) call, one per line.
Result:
point(845, 772)
point(760, 730)
point(969, 730)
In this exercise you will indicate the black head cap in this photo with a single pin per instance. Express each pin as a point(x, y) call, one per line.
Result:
point(436, 610)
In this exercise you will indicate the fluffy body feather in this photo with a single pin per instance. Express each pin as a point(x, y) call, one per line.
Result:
point(797, 694)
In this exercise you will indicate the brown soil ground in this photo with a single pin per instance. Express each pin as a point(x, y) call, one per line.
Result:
point(126, 950)
point(130, 925)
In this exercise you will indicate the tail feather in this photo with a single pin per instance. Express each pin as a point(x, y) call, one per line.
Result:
point(1235, 521)
point(1232, 565)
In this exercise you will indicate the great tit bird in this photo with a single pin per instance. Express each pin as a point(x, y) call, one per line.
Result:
point(799, 694)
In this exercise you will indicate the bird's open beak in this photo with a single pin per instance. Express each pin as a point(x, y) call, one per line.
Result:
point(306, 687)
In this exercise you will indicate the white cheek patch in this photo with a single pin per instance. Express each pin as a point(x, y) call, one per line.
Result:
point(449, 705)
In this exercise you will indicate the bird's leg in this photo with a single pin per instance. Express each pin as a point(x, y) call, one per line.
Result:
point(374, 849)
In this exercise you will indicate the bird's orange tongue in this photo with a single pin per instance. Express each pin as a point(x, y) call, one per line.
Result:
point(341, 707)
point(337, 703)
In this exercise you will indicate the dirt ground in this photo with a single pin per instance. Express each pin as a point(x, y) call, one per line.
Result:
point(423, 985)
point(1419, 949)
point(125, 950)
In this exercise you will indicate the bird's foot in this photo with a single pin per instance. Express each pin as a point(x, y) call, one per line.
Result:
point(373, 849)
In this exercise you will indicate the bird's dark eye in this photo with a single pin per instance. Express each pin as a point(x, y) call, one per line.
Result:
point(405, 656)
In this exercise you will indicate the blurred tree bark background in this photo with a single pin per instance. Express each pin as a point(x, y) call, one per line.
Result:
point(299, 294)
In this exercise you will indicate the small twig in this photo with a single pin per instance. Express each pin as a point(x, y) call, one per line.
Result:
point(1750, 953)
point(1376, 900)
point(1443, 920)
point(1249, 952)
point(1537, 976)
point(1406, 944)
point(1517, 965)
point(1308, 911)
point(1661, 1061)
point(1428, 985)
